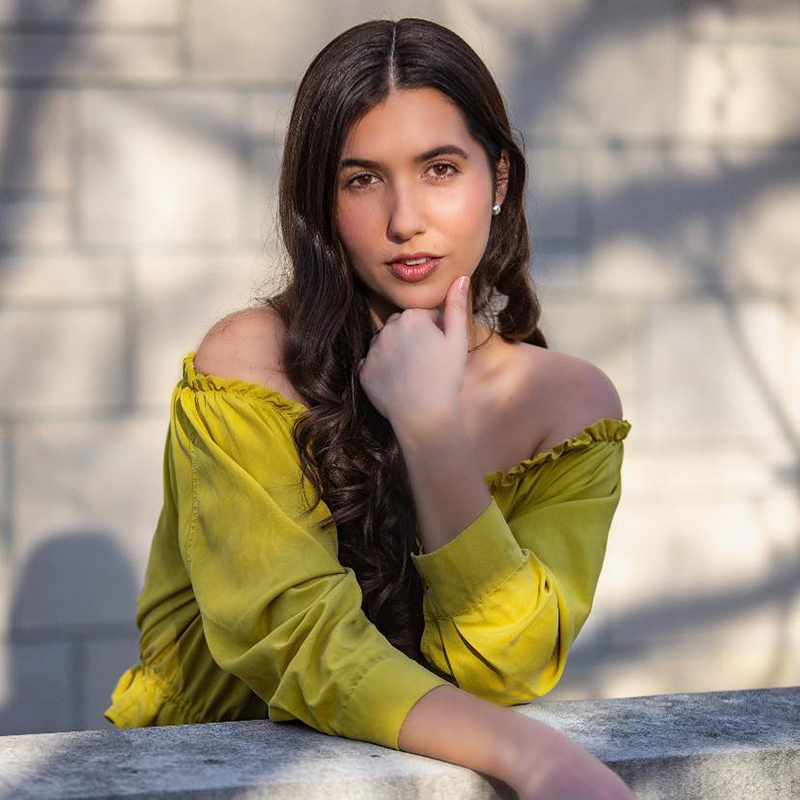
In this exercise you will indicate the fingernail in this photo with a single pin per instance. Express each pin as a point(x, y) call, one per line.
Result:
point(463, 283)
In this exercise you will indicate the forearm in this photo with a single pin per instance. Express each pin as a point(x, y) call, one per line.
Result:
point(453, 725)
point(449, 490)
point(534, 759)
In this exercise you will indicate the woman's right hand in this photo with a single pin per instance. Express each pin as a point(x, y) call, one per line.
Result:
point(550, 766)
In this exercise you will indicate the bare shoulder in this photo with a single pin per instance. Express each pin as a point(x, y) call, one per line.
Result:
point(571, 393)
point(247, 345)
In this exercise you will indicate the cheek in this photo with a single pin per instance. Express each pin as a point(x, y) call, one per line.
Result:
point(467, 205)
point(354, 223)
point(468, 216)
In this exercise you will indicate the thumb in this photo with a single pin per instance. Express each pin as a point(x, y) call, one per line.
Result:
point(455, 312)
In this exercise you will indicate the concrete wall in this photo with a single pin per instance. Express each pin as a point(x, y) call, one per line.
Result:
point(703, 746)
point(139, 151)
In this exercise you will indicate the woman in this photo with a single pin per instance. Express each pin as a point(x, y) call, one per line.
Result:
point(464, 476)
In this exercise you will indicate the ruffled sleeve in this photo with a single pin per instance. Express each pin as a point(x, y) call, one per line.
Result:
point(278, 609)
point(506, 598)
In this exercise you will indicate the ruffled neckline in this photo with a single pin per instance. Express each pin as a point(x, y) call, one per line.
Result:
point(606, 429)
point(204, 381)
point(603, 430)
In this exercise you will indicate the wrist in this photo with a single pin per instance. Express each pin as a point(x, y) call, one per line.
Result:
point(432, 421)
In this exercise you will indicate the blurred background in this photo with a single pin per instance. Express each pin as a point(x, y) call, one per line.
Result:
point(140, 142)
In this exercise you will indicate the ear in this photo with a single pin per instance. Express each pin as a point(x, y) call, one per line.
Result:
point(501, 177)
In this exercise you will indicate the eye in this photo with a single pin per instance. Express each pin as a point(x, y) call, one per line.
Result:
point(444, 164)
point(353, 184)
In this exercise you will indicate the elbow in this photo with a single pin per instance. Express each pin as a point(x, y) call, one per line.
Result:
point(518, 661)
point(525, 667)
point(520, 686)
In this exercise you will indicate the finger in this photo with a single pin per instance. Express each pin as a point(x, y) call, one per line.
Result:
point(434, 314)
point(455, 313)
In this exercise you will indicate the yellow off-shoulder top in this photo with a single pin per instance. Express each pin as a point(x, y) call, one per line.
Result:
point(246, 612)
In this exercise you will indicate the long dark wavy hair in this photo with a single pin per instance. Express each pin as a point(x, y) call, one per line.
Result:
point(348, 451)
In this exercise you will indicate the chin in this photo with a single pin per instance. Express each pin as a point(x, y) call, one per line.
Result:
point(417, 296)
point(434, 304)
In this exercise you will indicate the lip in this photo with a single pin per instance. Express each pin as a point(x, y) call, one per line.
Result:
point(415, 273)
point(412, 256)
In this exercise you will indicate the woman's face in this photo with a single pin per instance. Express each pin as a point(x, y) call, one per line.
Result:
point(409, 201)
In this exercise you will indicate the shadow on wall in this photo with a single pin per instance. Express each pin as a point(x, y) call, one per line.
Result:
point(692, 615)
point(66, 647)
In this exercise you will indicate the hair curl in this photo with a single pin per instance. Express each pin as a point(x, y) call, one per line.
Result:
point(348, 451)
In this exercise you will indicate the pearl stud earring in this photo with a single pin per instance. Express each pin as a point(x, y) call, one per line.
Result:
point(495, 209)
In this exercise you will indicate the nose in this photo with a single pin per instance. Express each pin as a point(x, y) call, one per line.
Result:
point(406, 214)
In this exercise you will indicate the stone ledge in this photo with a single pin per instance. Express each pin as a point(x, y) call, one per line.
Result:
point(696, 745)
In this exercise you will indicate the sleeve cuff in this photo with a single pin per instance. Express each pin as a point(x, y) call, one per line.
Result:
point(383, 698)
point(472, 565)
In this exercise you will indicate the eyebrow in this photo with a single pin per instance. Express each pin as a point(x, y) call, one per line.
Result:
point(444, 149)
